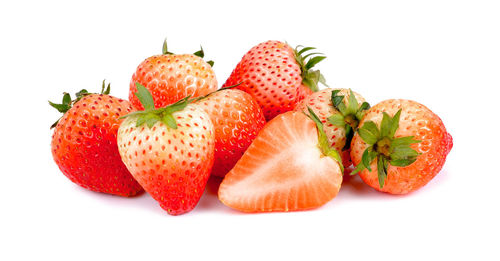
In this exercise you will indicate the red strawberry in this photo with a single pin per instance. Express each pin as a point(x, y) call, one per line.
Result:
point(84, 143)
point(275, 75)
point(340, 111)
point(237, 119)
point(169, 151)
point(304, 91)
point(289, 166)
point(401, 153)
point(171, 77)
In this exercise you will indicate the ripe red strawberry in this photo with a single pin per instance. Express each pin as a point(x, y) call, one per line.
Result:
point(304, 91)
point(340, 111)
point(275, 75)
point(171, 77)
point(237, 119)
point(401, 153)
point(169, 151)
point(84, 143)
point(289, 166)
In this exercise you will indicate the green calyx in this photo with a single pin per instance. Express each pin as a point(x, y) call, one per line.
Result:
point(200, 53)
point(384, 147)
point(349, 115)
point(67, 102)
point(323, 143)
point(150, 115)
point(310, 77)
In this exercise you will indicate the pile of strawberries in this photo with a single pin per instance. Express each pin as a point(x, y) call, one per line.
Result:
point(279, 142)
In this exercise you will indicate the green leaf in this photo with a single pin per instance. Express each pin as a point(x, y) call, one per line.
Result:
point(200, 53)
point(144, 97)
point(310, 81)
point(211, 63)
point(140, 121)
point(313, 61)
point(381, 170)
point(403, 152)
point(394, 124)
point(352, 107)
point(169, 120)
point(135, 113)
point(178, 106)
point(353, 103)
point(369, 132)
point(386, 124)
point(366, 159)
point(66, 99)
point(305, 49)
point(358, 168)
point(402, 162)
point(337, 119)
point(310, 54)
point(403, 141)
point(81, 93)
point(336, 99)
point(151, 120)
point(55, 123)
point(361, 111)
point(60, 107)
point(147, 118)
point(324, 145)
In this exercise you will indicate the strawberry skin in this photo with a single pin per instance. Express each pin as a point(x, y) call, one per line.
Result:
point(282, 170)
point(84, 145)
point(434, 145)
point(172, 165)
point(271, 74)
point(320, 102)
point(237, 119)
point(171, 77)
point(304, 91)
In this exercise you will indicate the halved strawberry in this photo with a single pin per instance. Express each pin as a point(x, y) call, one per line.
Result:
point(289, 166)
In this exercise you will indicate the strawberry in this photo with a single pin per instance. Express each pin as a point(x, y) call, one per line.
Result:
point(400, 146)
point(171, 77)
point(304, 91)
point(237, 119)
point(340, 111)
point(84, 143)
point(288, 167)
point(275, 75)
point(169, 151)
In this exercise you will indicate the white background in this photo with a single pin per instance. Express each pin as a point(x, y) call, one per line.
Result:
point(444, 54)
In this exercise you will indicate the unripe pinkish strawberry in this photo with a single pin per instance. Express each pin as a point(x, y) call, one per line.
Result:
point(169, 151)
